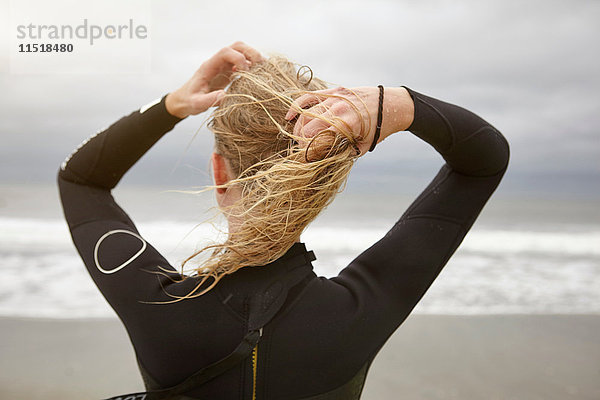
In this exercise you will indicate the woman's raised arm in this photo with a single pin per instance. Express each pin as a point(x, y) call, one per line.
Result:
point(116, 256)
point(387, 280)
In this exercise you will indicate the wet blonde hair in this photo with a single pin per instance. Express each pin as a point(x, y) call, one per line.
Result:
point(284, 182)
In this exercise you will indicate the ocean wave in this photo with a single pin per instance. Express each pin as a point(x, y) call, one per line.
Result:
point(494, 272)
point(38, 234)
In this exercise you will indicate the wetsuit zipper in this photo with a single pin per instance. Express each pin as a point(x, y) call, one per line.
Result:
point(255, 366)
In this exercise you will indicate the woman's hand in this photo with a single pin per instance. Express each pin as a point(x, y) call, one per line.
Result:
point(398, 112)
point(205, 87)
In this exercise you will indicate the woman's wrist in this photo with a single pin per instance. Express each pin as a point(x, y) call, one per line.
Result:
point(398, 111)
point(175, 106)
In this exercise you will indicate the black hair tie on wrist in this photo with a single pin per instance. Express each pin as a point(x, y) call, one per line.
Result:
point(379, 119)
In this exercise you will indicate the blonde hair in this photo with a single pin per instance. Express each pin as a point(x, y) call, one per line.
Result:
point(284, 183)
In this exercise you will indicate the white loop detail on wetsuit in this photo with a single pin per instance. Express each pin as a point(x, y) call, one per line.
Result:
point(126, 263)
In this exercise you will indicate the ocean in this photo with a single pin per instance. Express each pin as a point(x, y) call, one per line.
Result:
point(523, 256)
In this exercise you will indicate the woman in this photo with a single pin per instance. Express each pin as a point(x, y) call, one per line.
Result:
point(254, 321)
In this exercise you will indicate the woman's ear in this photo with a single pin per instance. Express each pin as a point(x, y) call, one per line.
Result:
point(220, 173)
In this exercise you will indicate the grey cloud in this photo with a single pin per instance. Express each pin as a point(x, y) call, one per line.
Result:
point(527, 67)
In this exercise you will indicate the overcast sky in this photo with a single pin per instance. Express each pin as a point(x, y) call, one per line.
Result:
point(531, 68)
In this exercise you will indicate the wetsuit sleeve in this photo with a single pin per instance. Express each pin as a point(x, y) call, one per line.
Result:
point(115, 255)
point(388, 279)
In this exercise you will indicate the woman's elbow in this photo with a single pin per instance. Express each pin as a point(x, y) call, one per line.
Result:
point(502, 152)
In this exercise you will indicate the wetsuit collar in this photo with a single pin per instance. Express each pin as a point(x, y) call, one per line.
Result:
point(264, 289)
point(291, 259)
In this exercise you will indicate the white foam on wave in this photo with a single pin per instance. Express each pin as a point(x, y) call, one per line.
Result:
point(494, 271)
point(527, 241)
point(37, 234)
point(485, 241)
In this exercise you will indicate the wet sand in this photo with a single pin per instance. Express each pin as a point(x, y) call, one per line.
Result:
point(429, 357)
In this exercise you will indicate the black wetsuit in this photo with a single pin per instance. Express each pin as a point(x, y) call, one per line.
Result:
point(326, 333)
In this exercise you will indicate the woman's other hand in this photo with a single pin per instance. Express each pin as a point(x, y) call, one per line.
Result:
point(205, 87)
point(334, 104)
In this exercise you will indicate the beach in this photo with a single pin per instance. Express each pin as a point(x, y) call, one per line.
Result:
point(428, 357)
point(514, 315)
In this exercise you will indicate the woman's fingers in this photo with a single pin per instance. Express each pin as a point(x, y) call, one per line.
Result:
point(251, 53)
point(202, 102)
point(311, 128)
point(216, 72)
point(204, 89)
point(305, 101)
point(318, 120)
point(308, 125)
point(310, 99)
point(231, 56)
point(239, 55)
point(301, 102)
point(227, 60)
